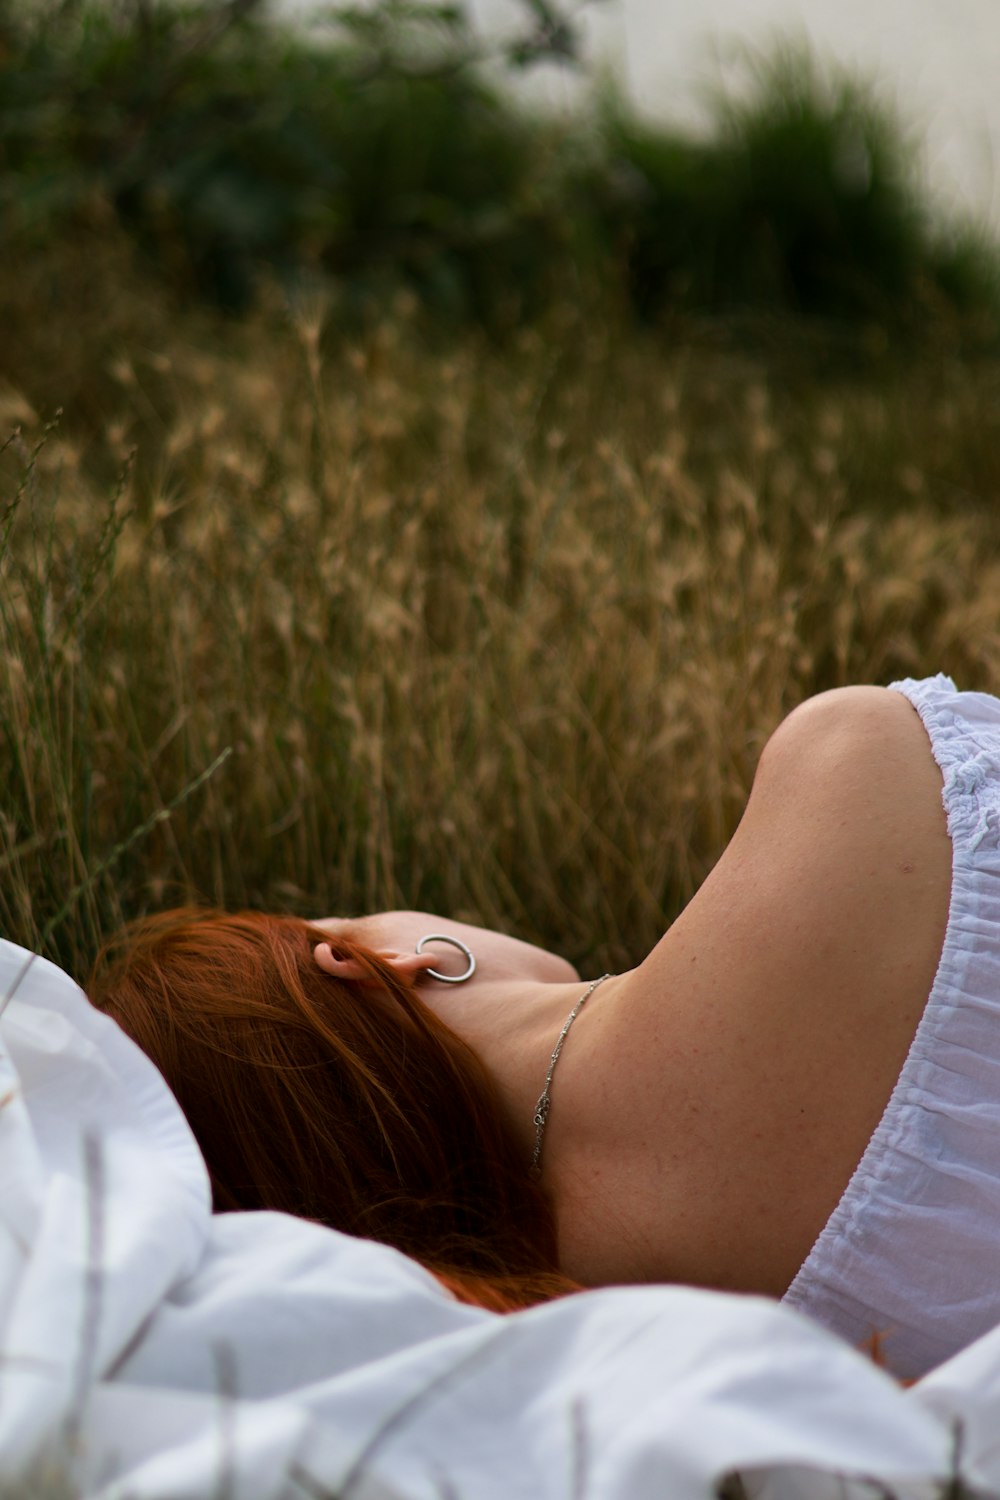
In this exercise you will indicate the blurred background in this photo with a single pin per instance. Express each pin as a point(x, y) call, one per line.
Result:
point(439, 441)
point(936, 63)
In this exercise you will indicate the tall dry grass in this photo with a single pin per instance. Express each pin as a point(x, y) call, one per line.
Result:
point(498, 632)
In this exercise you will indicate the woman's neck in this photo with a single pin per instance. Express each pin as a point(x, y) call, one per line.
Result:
point(514, 1026)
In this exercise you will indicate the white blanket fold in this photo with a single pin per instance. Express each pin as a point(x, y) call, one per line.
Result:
point(164, 1353)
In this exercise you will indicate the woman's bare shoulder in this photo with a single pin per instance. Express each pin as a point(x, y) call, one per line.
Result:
point(847, 727)
point(825, 919)
point(788, 991)
point(847, 791)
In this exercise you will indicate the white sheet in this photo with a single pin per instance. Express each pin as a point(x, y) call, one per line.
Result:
point(166, 1353)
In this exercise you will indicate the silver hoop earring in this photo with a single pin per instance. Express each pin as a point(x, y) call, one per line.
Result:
point(439, 937)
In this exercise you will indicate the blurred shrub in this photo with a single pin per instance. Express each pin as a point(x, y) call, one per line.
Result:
point(225, 144)
point(374, 152)
point(803, 199)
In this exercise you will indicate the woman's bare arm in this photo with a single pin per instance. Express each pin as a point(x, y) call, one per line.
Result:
point(734, 1089)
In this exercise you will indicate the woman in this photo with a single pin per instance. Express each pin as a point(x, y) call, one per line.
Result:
point(717, 1115)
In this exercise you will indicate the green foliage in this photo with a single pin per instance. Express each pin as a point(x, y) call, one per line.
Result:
point(230, 147)
point(371, 151)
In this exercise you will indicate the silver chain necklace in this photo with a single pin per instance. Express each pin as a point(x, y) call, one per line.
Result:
point(541, 1114)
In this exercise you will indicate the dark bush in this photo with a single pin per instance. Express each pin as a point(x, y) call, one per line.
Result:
point(802, 200)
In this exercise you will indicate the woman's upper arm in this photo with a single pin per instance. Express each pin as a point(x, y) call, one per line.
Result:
point(801, 967)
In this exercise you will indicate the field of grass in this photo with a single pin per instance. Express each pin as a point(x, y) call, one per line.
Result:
point(325, 622)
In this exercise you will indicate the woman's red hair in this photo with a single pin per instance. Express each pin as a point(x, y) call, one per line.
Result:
point(348, 1102)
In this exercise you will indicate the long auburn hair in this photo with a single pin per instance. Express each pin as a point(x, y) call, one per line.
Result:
point(347, 1102)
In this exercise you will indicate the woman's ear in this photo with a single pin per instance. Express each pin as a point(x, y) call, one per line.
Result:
point(340, 968)
point(409, 965)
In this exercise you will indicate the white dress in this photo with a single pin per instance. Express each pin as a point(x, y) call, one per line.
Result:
point(912, 1250)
